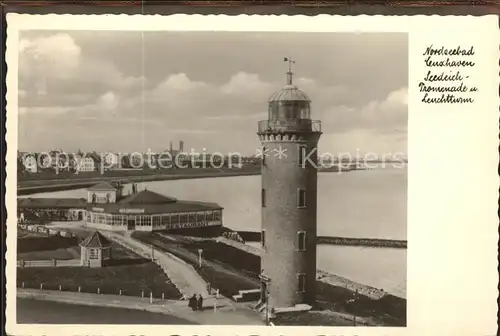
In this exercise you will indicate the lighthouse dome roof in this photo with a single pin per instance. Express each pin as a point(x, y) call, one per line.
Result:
point(289, 93)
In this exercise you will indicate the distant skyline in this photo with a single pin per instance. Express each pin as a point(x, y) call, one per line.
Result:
point(130, 92)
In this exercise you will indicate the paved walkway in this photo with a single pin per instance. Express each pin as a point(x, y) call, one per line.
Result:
point(226, 313)
point(182, 275)
point(185, 278)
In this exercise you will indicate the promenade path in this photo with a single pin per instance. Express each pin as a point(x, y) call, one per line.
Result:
point(226, 313)
point(184, 277)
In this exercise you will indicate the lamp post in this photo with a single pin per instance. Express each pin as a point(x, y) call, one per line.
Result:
point(267, 306)
point(216, 299)
point(265, 282)
point(200, 251)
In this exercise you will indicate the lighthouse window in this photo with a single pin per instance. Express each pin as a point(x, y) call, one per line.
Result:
point(301, 240)
point(263, 197)
point(302, 155)
point(301, 198)
point(301, 282)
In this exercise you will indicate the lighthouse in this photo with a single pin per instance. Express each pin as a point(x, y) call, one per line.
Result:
point(289, 141)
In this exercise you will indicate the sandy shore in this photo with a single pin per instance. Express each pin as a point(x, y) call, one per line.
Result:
point(323, 276)
point(336, 280)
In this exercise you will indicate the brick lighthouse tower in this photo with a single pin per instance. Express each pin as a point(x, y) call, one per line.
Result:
point(289, 190)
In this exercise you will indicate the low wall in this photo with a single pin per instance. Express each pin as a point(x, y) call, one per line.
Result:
point(322, 276)
point(105, 227)
point(49, 263)
point(44, 230)
point(242, 246)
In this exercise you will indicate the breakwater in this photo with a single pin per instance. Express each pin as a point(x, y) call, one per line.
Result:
point(252, 236)
point(371, 242)
point(40, 186)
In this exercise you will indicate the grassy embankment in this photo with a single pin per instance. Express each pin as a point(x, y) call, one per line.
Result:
point(127, 272)
point(230, 269)
point(220, 265)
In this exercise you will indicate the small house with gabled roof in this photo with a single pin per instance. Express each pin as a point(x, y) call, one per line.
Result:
point(95, 250)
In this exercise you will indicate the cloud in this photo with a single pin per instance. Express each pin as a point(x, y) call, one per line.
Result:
point(108, 101)
point(79, 81)
point(380, 116)
point(178, 82)
point(56, 55)
point(244, 84)
point(55, 73)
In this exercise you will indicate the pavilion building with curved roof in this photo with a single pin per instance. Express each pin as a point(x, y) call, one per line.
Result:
point(145, 210)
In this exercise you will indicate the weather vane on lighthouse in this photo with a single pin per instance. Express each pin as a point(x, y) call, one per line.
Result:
point(289, 73)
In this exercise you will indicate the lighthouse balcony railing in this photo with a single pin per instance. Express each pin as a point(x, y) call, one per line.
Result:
point(298, 125)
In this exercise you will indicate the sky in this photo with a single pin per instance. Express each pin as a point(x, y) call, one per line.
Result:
point(130, 91)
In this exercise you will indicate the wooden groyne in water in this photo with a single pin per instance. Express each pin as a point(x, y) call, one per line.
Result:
point(252, 236)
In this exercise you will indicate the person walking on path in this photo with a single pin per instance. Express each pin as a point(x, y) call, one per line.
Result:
point(200, 302)
point(193, 302)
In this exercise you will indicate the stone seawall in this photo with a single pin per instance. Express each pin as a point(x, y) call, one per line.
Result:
point(253, 236)
point(323, 276)
point(40, 186)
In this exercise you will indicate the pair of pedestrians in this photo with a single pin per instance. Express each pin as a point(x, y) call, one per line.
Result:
point(196, 302)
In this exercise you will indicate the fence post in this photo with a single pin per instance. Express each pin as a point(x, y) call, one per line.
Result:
point(59, 287)
point(162, 295)
point(41, 285)
point(120, 292)
point(54, 262)
point(22, 284)
point(98, 290)
point(150, 297)
point(142, 293)
point(79, 289)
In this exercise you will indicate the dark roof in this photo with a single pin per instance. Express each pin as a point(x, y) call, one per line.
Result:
point(62, 203)
point(289, 93)
point(96, 239)
point(103, 186)
point(169, 207)
point(147, 197)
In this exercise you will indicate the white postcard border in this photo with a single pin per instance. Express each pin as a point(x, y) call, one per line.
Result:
point(452, 173)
